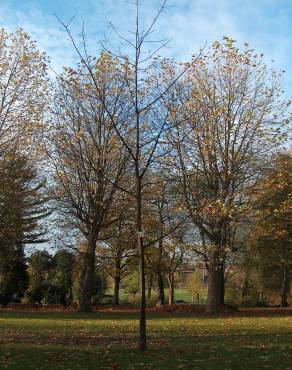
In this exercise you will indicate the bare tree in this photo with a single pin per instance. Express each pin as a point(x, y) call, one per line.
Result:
point(146, 84)
point(173, 256)
point(88, 161)
point(165, 219)
point(117, 252)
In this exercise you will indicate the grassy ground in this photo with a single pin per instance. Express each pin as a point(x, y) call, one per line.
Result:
point(107, 340)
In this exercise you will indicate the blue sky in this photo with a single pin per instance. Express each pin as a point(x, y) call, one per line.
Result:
point(265, 24)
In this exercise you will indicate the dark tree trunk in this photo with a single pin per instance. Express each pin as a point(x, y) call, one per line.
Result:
point(215, 284)
point(63, 299)
point(170, 279)
point(222, 284)
point(87, 278)
point(142, 338)
point(149, 288)
point(116, 297)
point(245, 286)
point(284, 289)
point(142, 316)
point(160, 284)
point(117, 280)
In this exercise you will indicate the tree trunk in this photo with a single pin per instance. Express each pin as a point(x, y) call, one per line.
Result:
point(215, 284)
point(142, 338)
point(245, 286)
point(63, 299)
point(222, 284)
point(87, 278)
point(142, 316)
point(149, 288)
point(284, 289)
point(161, 298)
point(170, 288)
point(117, 280)
point(116, 297)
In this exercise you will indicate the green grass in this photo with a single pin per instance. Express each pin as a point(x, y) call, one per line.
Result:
point(105, 340)
point(181, 294)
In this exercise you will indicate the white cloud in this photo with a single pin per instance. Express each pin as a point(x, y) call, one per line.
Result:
point(264, 24)
point(43, 28)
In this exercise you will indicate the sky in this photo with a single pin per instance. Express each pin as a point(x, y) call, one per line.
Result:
point(265, 24)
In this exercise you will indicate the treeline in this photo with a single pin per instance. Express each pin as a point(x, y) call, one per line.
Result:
point(44, 278)
point(143, 162)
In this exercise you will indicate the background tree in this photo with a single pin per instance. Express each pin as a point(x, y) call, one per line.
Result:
point(272, 235)
point(173, 256)
point(131, 284)
point(13, 274)
point(159, 202)
point(41, 269)
point(164, 219)
point(117, 253)
point(197, 286)
point(62, 278)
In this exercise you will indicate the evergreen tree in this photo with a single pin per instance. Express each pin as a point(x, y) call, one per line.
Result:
point(22, 208)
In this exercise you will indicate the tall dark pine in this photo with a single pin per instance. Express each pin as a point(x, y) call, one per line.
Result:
point(22, 207)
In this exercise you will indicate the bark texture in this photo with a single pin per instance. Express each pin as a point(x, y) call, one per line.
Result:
point(285, 287)
point(170, 279)
point(160, 285)
point(215, 299)
point(87, 278)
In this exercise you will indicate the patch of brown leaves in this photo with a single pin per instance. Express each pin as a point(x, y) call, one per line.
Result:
point(176, 308)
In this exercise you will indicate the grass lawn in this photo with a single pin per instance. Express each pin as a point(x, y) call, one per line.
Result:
point(181, 294)
point(107, 340)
